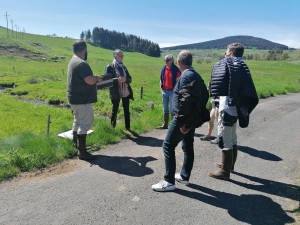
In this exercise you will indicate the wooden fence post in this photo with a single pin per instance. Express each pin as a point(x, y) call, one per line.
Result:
point(48, 124)
point(141, 93)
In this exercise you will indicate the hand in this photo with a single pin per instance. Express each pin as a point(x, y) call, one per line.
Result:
point(184, 130)
point(121, 79)
point(100, 78)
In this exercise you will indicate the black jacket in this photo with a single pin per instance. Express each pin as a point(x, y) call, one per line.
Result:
point(114, 90)
point(231, 77)
point(192, 100)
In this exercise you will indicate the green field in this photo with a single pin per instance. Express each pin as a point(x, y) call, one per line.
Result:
point(23, 140)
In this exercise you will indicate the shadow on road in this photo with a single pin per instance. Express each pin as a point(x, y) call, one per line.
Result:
point(147, 141)
point(250, 209)
point(131, 166)
point(269, 186)
point(259, 154)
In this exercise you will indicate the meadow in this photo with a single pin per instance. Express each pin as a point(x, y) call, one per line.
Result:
point(24, 144)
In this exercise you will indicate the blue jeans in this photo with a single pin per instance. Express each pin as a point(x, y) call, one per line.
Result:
point(167, 98)
point(173, 137)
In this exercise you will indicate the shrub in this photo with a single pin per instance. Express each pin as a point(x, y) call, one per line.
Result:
point(32, 80)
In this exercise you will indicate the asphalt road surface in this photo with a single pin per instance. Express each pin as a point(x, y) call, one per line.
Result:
point(116, 188)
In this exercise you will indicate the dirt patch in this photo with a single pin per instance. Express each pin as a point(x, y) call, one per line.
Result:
point(65, 167)
point(7, 51)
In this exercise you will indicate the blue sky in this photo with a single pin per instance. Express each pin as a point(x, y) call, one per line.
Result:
point(167, 23)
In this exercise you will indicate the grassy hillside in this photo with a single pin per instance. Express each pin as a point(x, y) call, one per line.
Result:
point(23, 140)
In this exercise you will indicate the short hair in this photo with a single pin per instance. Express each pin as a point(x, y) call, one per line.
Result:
point(117, 52)
point(79, 46)
point(169, 57)
point(236, 49)
point(185, 57)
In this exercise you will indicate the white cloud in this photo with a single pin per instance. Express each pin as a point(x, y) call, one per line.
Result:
point(292, 43)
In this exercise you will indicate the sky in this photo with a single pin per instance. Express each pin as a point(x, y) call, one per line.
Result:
point(165, 22)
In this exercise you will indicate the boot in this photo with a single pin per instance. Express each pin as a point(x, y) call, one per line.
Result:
point(82, 152)
point(75, 139)
point(113, 122)
point(166, 122)
point(234, 153)
point(224, 171)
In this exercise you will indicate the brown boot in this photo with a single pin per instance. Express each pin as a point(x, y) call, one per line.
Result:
point(234, 153)
point(234, 156)
point(75, 139)
point(82, 152)
point(224, 171)
point(166, 122)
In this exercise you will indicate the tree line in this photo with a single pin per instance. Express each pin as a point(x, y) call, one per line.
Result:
point(119, 40)
point(269, 55)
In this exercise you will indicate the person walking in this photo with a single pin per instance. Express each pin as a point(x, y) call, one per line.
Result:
point(81, 93)
point(189, 106)
point(121, 89)
point(168, 77)
point(231, 81)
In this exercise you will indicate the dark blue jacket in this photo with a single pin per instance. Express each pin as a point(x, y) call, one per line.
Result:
point(231, 77)
point(190, 99)
point(175, 70)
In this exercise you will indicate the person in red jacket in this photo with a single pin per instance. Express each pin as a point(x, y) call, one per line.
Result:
point(168, 77)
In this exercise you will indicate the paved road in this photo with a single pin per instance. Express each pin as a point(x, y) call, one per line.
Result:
point(116, 189)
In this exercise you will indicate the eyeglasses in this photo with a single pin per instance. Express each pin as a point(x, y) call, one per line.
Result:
point(167, 60)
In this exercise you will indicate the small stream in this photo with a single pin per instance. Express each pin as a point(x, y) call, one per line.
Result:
point(62, 106)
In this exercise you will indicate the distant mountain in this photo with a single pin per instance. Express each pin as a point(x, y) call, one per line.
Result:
point(246, 41)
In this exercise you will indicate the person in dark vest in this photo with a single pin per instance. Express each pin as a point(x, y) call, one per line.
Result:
point(231, 81)
point(168, 77)
point(121, 89)
point(81, 93)
point(189, 106)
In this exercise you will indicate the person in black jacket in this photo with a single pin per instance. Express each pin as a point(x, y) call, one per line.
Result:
point(189, 105)
point(232, 82)
point(120, 90)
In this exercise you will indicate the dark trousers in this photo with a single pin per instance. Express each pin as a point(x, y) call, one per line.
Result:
point(173, 137)
point(125, 104)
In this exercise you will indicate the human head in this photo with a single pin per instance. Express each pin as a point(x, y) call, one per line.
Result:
point(118, 55)
point(80, 49)
point(235, 49)
point(184, 59)
point(169, 58)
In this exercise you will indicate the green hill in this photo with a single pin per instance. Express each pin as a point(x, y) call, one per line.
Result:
point(21, 63)
point(248, 42)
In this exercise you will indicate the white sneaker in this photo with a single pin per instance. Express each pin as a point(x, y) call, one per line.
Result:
point(163, 186)
point(179, 179)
